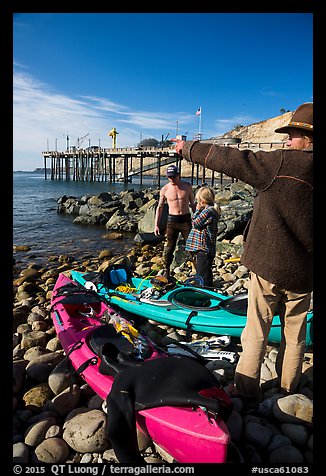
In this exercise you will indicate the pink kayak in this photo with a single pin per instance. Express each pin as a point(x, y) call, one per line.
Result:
point(189, 434)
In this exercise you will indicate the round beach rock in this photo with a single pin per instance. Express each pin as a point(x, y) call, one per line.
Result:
point(65, 401)
point(295, 408)
point(85, 432)
point(52, 450)
point(36, 433)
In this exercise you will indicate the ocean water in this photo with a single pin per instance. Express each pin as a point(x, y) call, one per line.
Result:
point(37, 224)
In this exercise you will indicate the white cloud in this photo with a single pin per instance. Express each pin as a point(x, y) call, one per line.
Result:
point(143, 119)
point(224, 125)
point(42, 117)
point(41, 114)
point(270, 93)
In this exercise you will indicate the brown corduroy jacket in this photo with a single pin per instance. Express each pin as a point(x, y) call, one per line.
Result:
point(279, 241)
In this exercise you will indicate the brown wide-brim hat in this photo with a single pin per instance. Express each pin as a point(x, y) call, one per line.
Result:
point(301, 119)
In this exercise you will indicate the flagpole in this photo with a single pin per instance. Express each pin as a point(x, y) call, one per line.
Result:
point(198, 113)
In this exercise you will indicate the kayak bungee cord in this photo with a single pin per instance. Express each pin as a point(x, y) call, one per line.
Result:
point(144, 279)
point(125, 288)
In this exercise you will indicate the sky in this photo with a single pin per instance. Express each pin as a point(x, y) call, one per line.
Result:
point(78, 75)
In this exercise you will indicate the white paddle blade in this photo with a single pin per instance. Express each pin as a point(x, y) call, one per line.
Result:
point(90, 285)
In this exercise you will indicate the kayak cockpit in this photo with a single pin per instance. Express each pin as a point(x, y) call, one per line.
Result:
point(200, 299)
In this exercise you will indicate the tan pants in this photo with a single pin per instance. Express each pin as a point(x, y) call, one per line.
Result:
point(263, 299)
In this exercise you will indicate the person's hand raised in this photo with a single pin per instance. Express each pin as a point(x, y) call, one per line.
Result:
point(178, 146)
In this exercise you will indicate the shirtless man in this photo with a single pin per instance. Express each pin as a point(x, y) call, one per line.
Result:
point(179, 197)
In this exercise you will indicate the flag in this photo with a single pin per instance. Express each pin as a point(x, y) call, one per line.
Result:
point(198, 113)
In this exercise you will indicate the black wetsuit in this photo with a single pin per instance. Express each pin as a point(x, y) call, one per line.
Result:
point(153, 383)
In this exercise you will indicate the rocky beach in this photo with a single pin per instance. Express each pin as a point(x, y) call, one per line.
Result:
point(57, 421)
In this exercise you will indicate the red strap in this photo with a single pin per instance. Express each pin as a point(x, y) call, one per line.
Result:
point(217, 393)
point(295, 178)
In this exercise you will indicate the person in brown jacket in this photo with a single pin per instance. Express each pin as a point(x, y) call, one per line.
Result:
point(278, 247)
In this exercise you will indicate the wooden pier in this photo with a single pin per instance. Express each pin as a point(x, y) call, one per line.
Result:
point(121, 164)
point(107, 165)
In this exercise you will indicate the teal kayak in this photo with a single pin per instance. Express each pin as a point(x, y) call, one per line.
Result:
point(195, 309)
